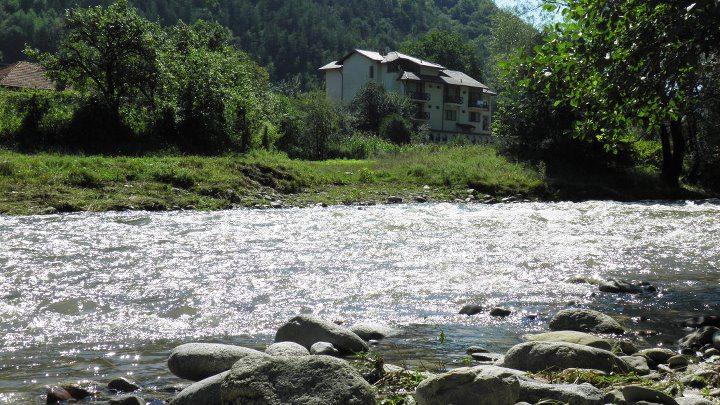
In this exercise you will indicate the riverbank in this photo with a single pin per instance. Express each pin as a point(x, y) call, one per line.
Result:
point(49, 183)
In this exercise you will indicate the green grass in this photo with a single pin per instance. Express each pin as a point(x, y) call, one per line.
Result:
point(41, 183)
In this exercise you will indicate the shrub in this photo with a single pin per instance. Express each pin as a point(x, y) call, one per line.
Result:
point(396, 129)
point(361, 146)
point(7, 169)
point(373, 103)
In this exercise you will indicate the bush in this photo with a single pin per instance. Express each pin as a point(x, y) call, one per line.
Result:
point(373, 103)
point(361, 146)
point(175, 177)
point(396, 129)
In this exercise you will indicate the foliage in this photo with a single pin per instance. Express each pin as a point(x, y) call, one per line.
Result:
point(448, 48)
point(396, 129)
point(373, 103)
point(290, 38)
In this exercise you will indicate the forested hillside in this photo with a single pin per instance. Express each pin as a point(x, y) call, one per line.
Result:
point(290, 38)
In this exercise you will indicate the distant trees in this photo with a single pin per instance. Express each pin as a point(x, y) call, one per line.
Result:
point(447, 48)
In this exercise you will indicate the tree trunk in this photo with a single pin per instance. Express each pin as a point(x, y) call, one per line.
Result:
point(673, 149)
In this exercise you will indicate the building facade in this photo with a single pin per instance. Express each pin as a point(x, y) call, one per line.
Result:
point(452, 104)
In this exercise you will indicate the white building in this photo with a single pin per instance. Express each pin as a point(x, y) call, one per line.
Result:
point(451, 103)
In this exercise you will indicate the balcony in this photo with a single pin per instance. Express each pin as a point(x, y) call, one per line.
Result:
point(476, 103)
point(453, 99)
point(418, 95)
point(422, 116)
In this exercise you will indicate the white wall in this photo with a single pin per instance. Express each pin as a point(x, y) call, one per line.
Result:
point(333, 84)
point(356, 73)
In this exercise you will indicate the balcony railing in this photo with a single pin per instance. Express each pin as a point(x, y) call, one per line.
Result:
point(418, 95)
point(453, 99)
point(478, 104)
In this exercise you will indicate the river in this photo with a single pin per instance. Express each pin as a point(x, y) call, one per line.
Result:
point(94, 296)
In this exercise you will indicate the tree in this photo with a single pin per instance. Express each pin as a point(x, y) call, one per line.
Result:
point(631, 63)
point(109, 53)
point(373, 103)
point(447, 48)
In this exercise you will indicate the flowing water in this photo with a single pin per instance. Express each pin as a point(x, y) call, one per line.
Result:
point(94, 296)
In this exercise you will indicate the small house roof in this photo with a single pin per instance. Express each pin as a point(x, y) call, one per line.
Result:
point(332, 65)
point(393, 56)
point(25, 75)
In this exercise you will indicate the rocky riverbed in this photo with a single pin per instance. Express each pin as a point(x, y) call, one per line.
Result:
point(585, 358)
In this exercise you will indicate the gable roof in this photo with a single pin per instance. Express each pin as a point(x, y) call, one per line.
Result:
point(25, 75)
point(393, 56)
point(332, 65)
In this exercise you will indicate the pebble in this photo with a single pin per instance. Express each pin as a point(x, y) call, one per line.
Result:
point(122, 384)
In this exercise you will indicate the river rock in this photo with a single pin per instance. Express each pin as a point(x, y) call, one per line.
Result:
point(197, 361)
point(476, 349)
point(79, 392)
point(471, 309)
point(657, 355)
point(308, 330)
point(616, 286)
point(585, 320)
point(372, 331)
point(205, 392)
point(287, 349)
point(487, 357)
point(700, 321)
point(678, 362)
point(638, 364)
point(295, 380)
point(707, 335)
point(324, 348)
point(122, 384)
point(57, 395)
point(637, 393)
point(575, 394)
point(500, 312)
point(394, 200)
point(540, 356)
point(487, 385)
point(571, 336)
point(128, 400)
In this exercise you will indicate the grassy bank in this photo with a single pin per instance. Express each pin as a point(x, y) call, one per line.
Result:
point(46, 183)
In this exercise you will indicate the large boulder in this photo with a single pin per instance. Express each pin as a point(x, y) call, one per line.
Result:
point(540, 356)
point(205, 392)
point(707, 335)
point(197, 361)
point(570, 336)
point(372, 331)
point(585, 320)
point(287, 349)
point(656, 355)
point(308, 330)
point(576, 394)
point(638, 364)
point(487, 385)
point(295, 380)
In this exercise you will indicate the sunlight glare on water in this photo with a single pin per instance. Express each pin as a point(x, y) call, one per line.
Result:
point(80, 286)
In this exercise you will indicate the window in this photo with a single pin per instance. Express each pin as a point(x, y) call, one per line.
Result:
point(474, 116)
point(372, 72)
point(451, 115)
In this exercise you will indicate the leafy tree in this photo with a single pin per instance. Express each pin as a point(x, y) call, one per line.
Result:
point(108, 53)
point(447, 48)
point(373, 103)
point(396, 129)
point(631, 63)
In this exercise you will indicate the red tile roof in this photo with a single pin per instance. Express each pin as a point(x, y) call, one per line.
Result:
point(25, 75)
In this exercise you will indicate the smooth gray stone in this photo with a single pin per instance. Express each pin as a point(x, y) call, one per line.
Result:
point(308, 330)
point(198, 361)
point(540, 356)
